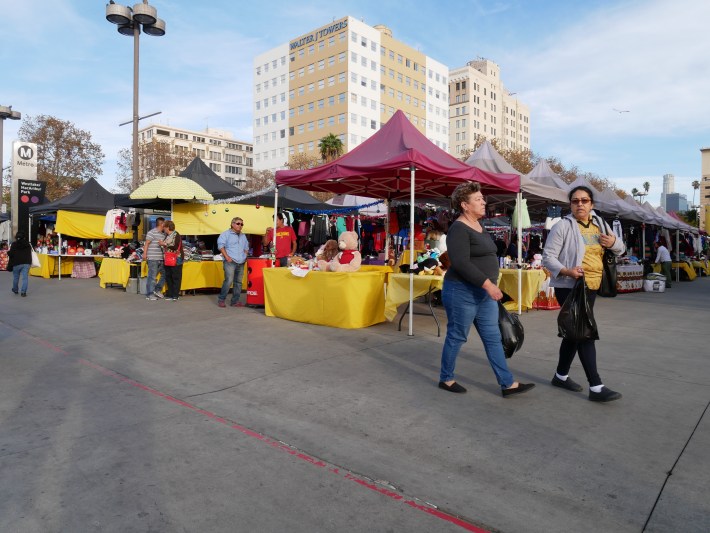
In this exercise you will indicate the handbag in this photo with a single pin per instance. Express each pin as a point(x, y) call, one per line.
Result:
point(576, 319)
point(511, 331)
point(171, 258)
point(607, 289)
point(35, 260)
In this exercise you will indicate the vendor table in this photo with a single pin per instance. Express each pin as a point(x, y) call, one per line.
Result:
point(532, 282)
point(683, 266)
point(59, 265)
point(398, 294)
point(338, 299)
point(629, 278)
point(195, 274)
point(701, 267)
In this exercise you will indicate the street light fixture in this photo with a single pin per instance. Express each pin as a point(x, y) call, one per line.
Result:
point(5, 112)
point(129, 23)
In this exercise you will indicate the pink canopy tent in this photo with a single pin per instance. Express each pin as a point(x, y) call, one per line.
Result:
point(396, 162)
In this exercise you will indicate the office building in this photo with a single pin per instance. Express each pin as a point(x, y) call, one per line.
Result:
point(676, 202)
point(480, 105)
point(668, 188)
point(229, 158)
point(346, 78)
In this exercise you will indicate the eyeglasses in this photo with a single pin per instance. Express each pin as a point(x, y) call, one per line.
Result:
point(238, 223)
point(577, 201)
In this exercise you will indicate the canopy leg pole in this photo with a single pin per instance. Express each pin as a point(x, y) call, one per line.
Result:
point(59, 257)
point(412, 258)
point(520, 252)
point(677, 255)
point(273, 235)
point(643, 242)
point(387, 238)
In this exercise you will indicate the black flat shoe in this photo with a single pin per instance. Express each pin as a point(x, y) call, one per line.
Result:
point(16, 292)
point(23, 294)
point(454, 387)
point(521, 388)
point(605, 395)
point(568, 384)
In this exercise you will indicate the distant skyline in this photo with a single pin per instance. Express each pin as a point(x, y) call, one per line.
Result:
point(617, 88)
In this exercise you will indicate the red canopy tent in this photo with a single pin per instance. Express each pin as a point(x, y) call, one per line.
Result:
point(396, 162)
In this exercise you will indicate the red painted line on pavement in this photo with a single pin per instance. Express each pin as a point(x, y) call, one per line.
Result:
point(274, 444)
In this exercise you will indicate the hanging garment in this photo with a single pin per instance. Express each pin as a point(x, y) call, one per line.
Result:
point(522, 212)
point(616, 228)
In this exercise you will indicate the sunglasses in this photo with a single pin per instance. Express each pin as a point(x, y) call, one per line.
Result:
point(238, 223)
point(584, 201)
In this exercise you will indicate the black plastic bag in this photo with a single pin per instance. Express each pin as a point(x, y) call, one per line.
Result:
point(576, 320)
point(511, 330)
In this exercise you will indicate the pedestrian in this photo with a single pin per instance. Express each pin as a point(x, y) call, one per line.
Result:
point(663, 258)
point(574, 249)
point(234, 247)
point(470, 293)
point(20, 259)
point(153, 255)
point(285, 240)
point(173, 274)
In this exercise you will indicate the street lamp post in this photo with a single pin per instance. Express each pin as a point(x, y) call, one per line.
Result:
point(129, 23)
point(5, 112)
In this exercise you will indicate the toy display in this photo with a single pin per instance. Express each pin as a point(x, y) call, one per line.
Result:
point(349, 258)
point(327, 253)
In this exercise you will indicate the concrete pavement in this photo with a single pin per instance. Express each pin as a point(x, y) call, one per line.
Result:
point(121, 414)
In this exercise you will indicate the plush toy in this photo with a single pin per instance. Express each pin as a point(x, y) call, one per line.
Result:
point(349, 259)
point(537, 261)
point(327, 253)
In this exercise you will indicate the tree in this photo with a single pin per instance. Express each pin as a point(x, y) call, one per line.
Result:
point(66, 157)
point(696, 186)
point(258, 180)
point(303, 161)
point(331, 147)
point(156, 158)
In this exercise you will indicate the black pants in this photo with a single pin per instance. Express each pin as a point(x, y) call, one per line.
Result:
point(587, 350)
point(173, 278)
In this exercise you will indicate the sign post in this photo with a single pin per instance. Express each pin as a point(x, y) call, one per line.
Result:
point(24, 167)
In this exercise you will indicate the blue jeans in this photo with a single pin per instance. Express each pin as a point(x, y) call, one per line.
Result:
point(155, 267)
point(17, 271)
point(466, 305)
point(233, 273)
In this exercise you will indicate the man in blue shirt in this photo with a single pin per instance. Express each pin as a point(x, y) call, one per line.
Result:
point(234, 247)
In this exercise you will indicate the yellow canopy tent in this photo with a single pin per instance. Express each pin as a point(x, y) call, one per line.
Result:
point(87, 226)
point(211, 219)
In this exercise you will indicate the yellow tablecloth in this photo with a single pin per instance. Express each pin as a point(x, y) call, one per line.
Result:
point(338, 299)
point(683, 266)
point(404, 258)
point(701, 266)
point(398, 290)
point(48, 266)
point(508, 283)
point(195, 274)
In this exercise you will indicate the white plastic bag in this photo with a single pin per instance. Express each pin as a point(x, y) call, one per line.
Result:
point(35, 260)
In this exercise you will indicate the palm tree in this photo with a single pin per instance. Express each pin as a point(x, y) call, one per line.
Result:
point(634, 192)
point(331, 147)
point(696, 186)
point(646, 187)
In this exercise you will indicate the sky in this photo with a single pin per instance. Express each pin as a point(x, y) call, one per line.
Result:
point(574, 63)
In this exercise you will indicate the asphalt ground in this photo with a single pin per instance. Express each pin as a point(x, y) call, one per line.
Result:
point(122, 414)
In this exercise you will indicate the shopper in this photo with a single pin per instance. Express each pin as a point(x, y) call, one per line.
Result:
point(234, 247)
point(470, 293)
point(285, 240)
point(20, 258)
point(173, 274)
point(153, 254)
point(574, 249)
point(663, 258)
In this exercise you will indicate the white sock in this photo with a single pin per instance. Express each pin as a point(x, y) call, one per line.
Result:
point(561, 378)
point(596, 388)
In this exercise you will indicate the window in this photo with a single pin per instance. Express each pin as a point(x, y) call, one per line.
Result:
point(363, 41)
point(331, 81)
point(321, 64)
point(373, 125)
point(353, 57)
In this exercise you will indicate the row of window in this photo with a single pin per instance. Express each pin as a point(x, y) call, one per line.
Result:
point(312, 48)
point(321, 84)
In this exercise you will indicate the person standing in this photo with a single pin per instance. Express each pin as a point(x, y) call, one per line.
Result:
point(234, 247)
point(574, 249)
point(173, 274)
point(470, 293)
point(286, 240)
point(20, 257)
point(153, 255)
point(663, 258)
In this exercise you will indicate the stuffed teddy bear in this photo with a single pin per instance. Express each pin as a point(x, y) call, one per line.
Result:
point(327, 253)
point(349, 259)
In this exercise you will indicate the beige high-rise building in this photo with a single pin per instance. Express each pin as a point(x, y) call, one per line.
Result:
point(346, 78)
point(480, 105)
point(229, 158)
point(704, 191)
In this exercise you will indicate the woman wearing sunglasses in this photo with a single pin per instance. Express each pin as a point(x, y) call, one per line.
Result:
point(574, 248)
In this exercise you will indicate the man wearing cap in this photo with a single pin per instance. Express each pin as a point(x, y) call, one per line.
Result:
point(234, 247)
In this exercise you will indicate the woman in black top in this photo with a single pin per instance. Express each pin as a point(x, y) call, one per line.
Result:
point(20, 255)
point(470, 292)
